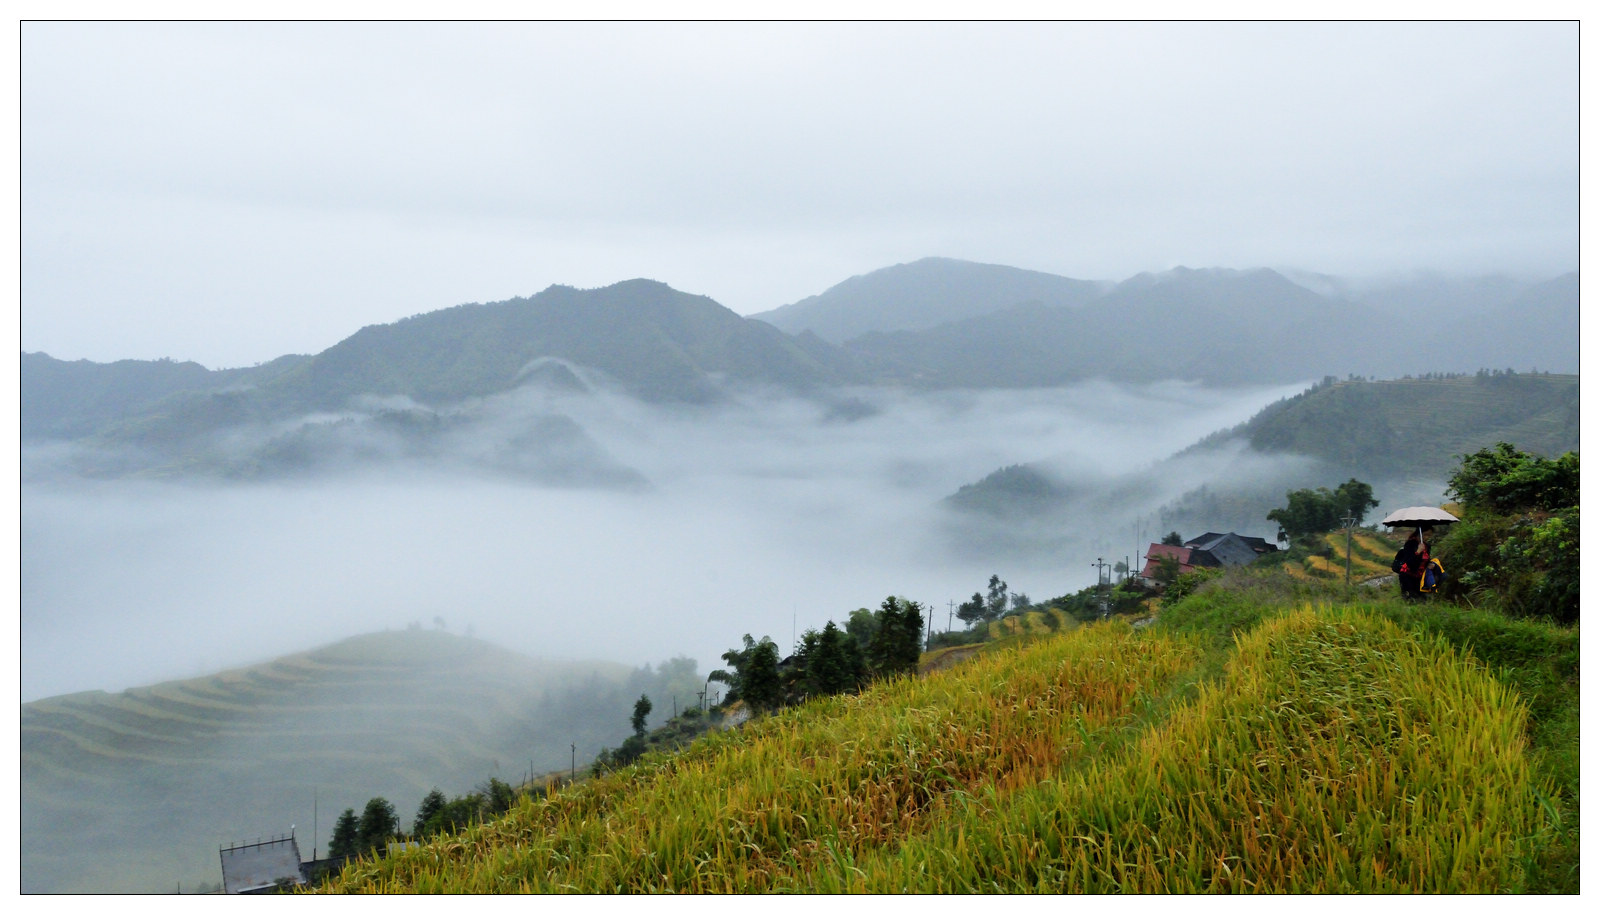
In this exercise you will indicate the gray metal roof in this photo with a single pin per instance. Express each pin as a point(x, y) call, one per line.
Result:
point(1228, 549)
point(260, 865)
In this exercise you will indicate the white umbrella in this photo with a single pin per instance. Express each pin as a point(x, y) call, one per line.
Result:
point(1419, 516)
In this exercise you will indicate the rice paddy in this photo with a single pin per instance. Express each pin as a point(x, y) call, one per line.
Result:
point(1335, 753)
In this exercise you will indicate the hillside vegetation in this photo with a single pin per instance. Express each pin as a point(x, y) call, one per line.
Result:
point(1264, 736)
point(1419, 427)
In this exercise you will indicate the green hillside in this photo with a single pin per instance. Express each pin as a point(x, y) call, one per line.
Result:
point(1398, 435)
point(135, 791)
point(1333, 746)
point(1419, 427)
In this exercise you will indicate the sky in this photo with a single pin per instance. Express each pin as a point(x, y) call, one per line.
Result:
point(228, 193)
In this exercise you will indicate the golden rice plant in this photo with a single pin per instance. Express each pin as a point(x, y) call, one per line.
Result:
point(1339, 754)
point(805, 792)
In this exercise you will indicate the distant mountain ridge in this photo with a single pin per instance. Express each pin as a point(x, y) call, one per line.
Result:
point(922, 295)
point(936, 323)
point(1233, 327)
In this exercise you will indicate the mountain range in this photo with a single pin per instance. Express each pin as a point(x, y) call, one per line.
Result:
point(932, 323)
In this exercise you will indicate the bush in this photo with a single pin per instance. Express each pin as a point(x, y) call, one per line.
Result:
point(1503, 480)
point(1525, 566)
point(1185, 584)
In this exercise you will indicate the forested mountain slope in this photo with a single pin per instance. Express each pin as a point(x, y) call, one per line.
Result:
point(1418, 427)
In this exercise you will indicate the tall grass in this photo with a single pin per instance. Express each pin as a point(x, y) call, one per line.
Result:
point(1335, 753)
point(1339, 754)
point(806, 792)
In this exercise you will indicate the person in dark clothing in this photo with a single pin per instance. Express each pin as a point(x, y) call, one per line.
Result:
point(1409, 564)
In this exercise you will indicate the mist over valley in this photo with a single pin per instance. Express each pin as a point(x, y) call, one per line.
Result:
point(760, 515)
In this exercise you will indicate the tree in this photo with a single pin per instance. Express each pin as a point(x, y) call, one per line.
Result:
point(377, 826)
point(641, 710)
point(456, 814)
point(898, 645)
point(973, 610)
point(861, 626)
point(1172, 539)
point(1167, 570)
point(761, 688)
point(995, 605)
point(739, 660)
point(1505, 480)
point(432, 803)
point(345, 831)
point(1020, 602)
point(1354, 497)
point(1315, 511)
point(830, 662)
point(496, 797)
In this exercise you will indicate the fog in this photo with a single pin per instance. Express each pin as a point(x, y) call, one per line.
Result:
point(765, 514)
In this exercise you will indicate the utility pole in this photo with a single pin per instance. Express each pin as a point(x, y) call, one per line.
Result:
point(573, 777)
point(1099, 565)
point(1349, 525)
point(950, 621)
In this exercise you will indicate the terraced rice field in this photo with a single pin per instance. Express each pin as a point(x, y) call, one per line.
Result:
point(1336, 753)
point(135, 791)
point(1370, 555)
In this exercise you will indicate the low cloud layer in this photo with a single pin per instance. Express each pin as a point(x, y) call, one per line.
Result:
point(766, 515)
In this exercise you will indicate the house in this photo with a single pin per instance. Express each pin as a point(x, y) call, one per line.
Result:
point(1159, 551)
point(1209, 550)
point(261, 867)
point(1217, 550)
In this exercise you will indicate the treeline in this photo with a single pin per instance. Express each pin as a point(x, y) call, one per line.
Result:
point(872, 645)
point(377, 826)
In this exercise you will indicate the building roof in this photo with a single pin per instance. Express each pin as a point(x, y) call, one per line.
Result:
point(1222, 550)
point(1157, 551)
point(1257, 544)
point(261, 865)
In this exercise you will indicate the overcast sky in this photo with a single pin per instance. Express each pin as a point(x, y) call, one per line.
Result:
point(230, 193)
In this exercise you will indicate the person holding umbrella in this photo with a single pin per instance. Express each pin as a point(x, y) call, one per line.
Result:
point(1409, 564)
point(1412, 562)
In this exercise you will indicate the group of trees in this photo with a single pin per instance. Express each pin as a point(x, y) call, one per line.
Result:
point(983, 608)
point(378, 825)
point(1517, 544)
point(872, 645)
point(375, 828)
point(1316, 511)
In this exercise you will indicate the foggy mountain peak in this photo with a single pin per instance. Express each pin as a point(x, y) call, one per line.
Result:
point(923, 294)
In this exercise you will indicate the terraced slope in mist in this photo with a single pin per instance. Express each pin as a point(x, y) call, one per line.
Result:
point(135, 791)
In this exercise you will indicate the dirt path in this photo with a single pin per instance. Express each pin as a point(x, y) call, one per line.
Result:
point(949, 659)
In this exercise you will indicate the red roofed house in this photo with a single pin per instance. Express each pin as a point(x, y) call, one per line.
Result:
point(1157, 551)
